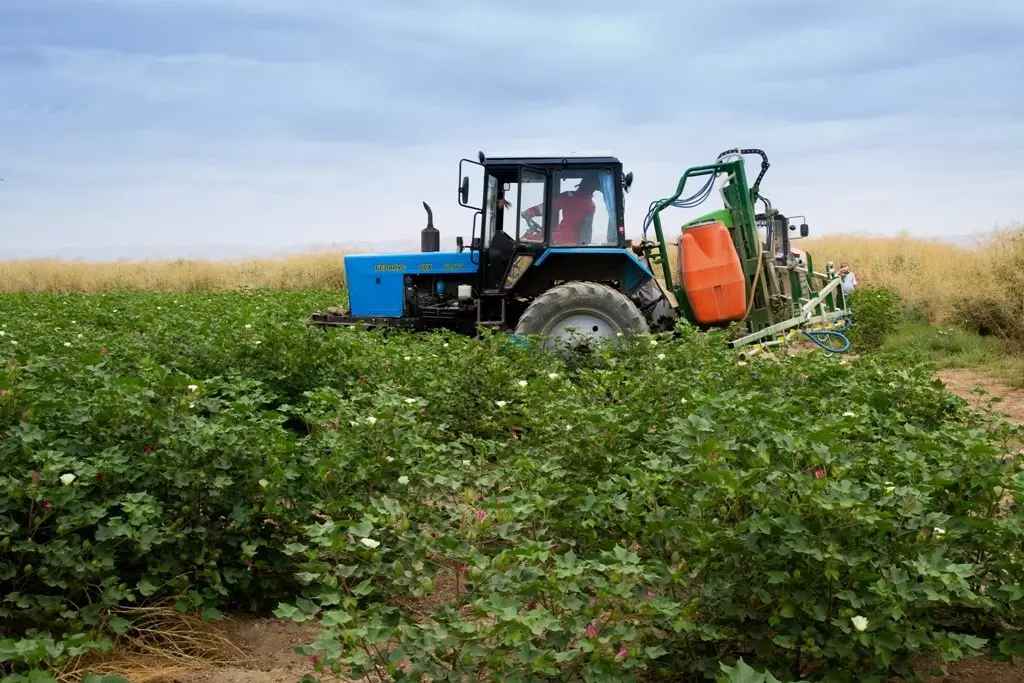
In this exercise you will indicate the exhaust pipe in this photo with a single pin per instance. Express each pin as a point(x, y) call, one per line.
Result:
point(430, 237)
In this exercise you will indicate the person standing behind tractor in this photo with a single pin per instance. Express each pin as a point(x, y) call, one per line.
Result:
point(576, 207)
point(849, 279)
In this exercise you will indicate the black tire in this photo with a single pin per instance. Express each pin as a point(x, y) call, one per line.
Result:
point(613, 308)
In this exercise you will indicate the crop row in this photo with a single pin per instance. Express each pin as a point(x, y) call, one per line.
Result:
point(478, 509)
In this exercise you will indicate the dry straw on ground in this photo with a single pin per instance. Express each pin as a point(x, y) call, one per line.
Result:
point(161, 643)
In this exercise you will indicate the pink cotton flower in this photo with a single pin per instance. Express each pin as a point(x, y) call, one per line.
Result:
point(481, 515)
point(623, 653)
point(592, 630)
point(819, 473)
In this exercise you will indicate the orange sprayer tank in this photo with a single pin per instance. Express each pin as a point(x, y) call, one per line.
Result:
point(712, 274)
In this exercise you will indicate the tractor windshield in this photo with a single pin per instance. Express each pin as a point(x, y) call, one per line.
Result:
point(585, 211)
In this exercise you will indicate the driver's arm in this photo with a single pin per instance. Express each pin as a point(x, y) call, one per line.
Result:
point(535, 211)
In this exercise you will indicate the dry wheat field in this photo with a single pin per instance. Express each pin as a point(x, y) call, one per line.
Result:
point(978, 287)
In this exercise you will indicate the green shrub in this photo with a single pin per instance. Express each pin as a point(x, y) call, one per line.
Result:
point(476, 510)
point(989, 318)
point(875, 313)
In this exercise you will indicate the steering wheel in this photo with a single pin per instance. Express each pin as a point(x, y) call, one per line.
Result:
point(535, 228)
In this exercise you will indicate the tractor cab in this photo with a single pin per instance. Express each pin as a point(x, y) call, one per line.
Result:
point(540, 220)
point(527, 205)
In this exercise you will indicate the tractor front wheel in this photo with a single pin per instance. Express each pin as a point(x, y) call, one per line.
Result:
point(581, 312)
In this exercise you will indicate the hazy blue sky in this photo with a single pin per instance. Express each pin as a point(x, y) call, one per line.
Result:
point(284, 122)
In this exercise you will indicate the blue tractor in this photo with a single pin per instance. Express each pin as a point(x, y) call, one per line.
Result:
point(547, 257)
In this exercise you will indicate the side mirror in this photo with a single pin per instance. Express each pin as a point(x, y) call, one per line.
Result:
point(804, 230)
point(481, 157)
point(627, 181)
point(464, 190)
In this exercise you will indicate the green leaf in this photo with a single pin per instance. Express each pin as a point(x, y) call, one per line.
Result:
point(362, 530)
point(335, 617)
point(655, 651)
point(212, 614)
point(119, 625)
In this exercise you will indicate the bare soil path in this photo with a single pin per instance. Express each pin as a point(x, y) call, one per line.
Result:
point(267, 645)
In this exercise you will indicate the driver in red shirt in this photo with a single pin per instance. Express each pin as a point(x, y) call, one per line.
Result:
point(576, 207)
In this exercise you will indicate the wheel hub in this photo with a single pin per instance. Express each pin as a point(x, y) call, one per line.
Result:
point(581, 329)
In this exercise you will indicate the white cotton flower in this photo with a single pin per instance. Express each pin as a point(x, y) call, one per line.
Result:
point(408, 358)
point(14, 343)
point(568, 428)
point(2, 333)
point(683, 401)
point(552, 375)
point(67, 343)
point(849, 414)
point(192, 388)
point(939, 531)
point(445, 346)
point(410, 401)
point(661, 356)
point(258, 342)
point(389, 459)
point(466, 463)
point(860, 623)
point(191, 405)
point(79, 336)
point(618, 334)
point(248, 327)
point(371, 420)
point(66, 479)
point(654, 342)
point(403, 480)
point(742, 363)
point(370, 543)
point(501, 404)
point(522, 383)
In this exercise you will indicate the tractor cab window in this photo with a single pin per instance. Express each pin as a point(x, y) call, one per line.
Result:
point(531, 206)
point(585, 212)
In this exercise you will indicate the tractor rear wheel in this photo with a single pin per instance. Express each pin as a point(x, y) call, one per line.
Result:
point(581, 311)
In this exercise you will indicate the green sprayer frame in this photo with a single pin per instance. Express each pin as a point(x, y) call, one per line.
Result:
point(785, 295)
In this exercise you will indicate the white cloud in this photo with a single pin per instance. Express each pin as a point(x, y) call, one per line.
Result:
point(271, 123)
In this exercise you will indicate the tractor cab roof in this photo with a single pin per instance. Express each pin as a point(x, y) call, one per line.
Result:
point(510, 163)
